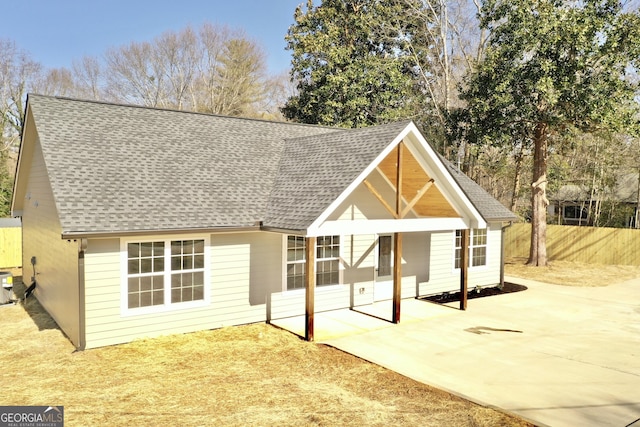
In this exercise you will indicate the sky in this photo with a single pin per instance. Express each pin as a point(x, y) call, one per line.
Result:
point(57, 32)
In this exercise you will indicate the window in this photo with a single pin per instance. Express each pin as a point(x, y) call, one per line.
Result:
point(575, 212)
point(477, 247)
point(145, 272)
point(327, 261)
point(164, 273)
point(295, 262)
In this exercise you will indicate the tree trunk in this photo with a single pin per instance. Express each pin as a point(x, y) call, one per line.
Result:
point(539, 201)
point(516, 179)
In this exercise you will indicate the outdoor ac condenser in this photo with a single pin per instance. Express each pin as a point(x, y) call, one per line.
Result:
point(6, 293)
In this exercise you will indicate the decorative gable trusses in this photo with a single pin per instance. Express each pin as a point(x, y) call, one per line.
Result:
point(409, 180)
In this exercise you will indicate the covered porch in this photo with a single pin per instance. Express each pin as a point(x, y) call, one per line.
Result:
point(416, 195)
point(344, 322)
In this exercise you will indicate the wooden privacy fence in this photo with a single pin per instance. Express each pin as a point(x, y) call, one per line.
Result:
point(10, 247)
point(593, 245)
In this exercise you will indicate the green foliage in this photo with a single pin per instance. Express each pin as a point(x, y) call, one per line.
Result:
point(350, 64)
point(560, 63)
point(6, 186)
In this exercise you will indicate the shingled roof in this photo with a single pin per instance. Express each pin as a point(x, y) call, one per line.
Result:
point(116, 168)
point(315, 170)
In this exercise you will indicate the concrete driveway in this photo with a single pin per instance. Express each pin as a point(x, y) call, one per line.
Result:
point(558, 356)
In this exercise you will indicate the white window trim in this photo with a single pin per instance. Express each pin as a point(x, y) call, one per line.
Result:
point(125, 311)
point(471, 267)
point(319, 289)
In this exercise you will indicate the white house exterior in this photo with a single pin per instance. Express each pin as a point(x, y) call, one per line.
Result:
point(143, 222)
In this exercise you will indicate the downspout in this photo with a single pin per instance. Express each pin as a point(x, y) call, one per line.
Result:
point(82, 247)
point(502, 254)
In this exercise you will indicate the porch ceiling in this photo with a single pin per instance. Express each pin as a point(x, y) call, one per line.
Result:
point(414, 178)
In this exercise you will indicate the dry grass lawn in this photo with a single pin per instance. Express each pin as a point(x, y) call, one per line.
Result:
point(254, 375)
point(569, 273)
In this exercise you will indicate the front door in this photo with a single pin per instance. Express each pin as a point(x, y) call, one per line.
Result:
point(383, 289)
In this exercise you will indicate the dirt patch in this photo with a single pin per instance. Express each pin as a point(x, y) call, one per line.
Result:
point(567, 273)
point(254, 375)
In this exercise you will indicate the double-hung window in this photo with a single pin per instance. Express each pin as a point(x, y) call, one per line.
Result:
point(327, 261)
point(477, 247)
point(163, 274)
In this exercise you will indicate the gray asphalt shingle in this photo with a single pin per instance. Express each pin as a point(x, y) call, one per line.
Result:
point(315, 170)
point(116, 168)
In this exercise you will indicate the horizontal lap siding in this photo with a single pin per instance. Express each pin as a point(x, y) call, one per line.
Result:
point(415, 262)
point(292, 303)
point(358, 260)
point(489, 275)
point(442, 276)
point(359, 251)
point(285, 303)
point(243, 267)
point(56, 259)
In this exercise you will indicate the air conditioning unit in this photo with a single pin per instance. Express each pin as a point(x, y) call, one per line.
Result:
point(6, 292)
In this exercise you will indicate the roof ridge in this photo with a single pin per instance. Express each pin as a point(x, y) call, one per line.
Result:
point(174, 110)
point(335, 131)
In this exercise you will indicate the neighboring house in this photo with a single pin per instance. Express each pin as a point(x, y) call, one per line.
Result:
point(143, 222)
point(570, 204)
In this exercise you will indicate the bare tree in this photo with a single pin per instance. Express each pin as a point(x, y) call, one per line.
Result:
point(88, 78)
point(214, 70)
point(56, 82)
point(17, 73)
point(232, 78)
point(178, 57)
point(135, 76)
point(279, 88)
point(212, 40)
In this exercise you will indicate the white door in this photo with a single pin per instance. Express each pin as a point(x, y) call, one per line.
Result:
point(383, 289)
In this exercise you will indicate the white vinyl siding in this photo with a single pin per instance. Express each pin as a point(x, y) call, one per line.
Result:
point(245, 268)
point(443, 277)
point(56, 260)
point(415, 263)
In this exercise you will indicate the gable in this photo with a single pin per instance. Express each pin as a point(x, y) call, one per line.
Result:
point(431, 198)
point(414, 179)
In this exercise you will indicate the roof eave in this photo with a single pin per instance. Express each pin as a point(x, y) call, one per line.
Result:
point(282, 230)
point(72, 235)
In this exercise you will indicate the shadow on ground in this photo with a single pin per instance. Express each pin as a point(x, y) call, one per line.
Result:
point(32, 306)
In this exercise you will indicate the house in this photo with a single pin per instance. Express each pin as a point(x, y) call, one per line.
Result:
point(141, 222)
point(573, 204)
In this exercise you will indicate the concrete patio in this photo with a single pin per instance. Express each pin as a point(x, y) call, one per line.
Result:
point(555, 355)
